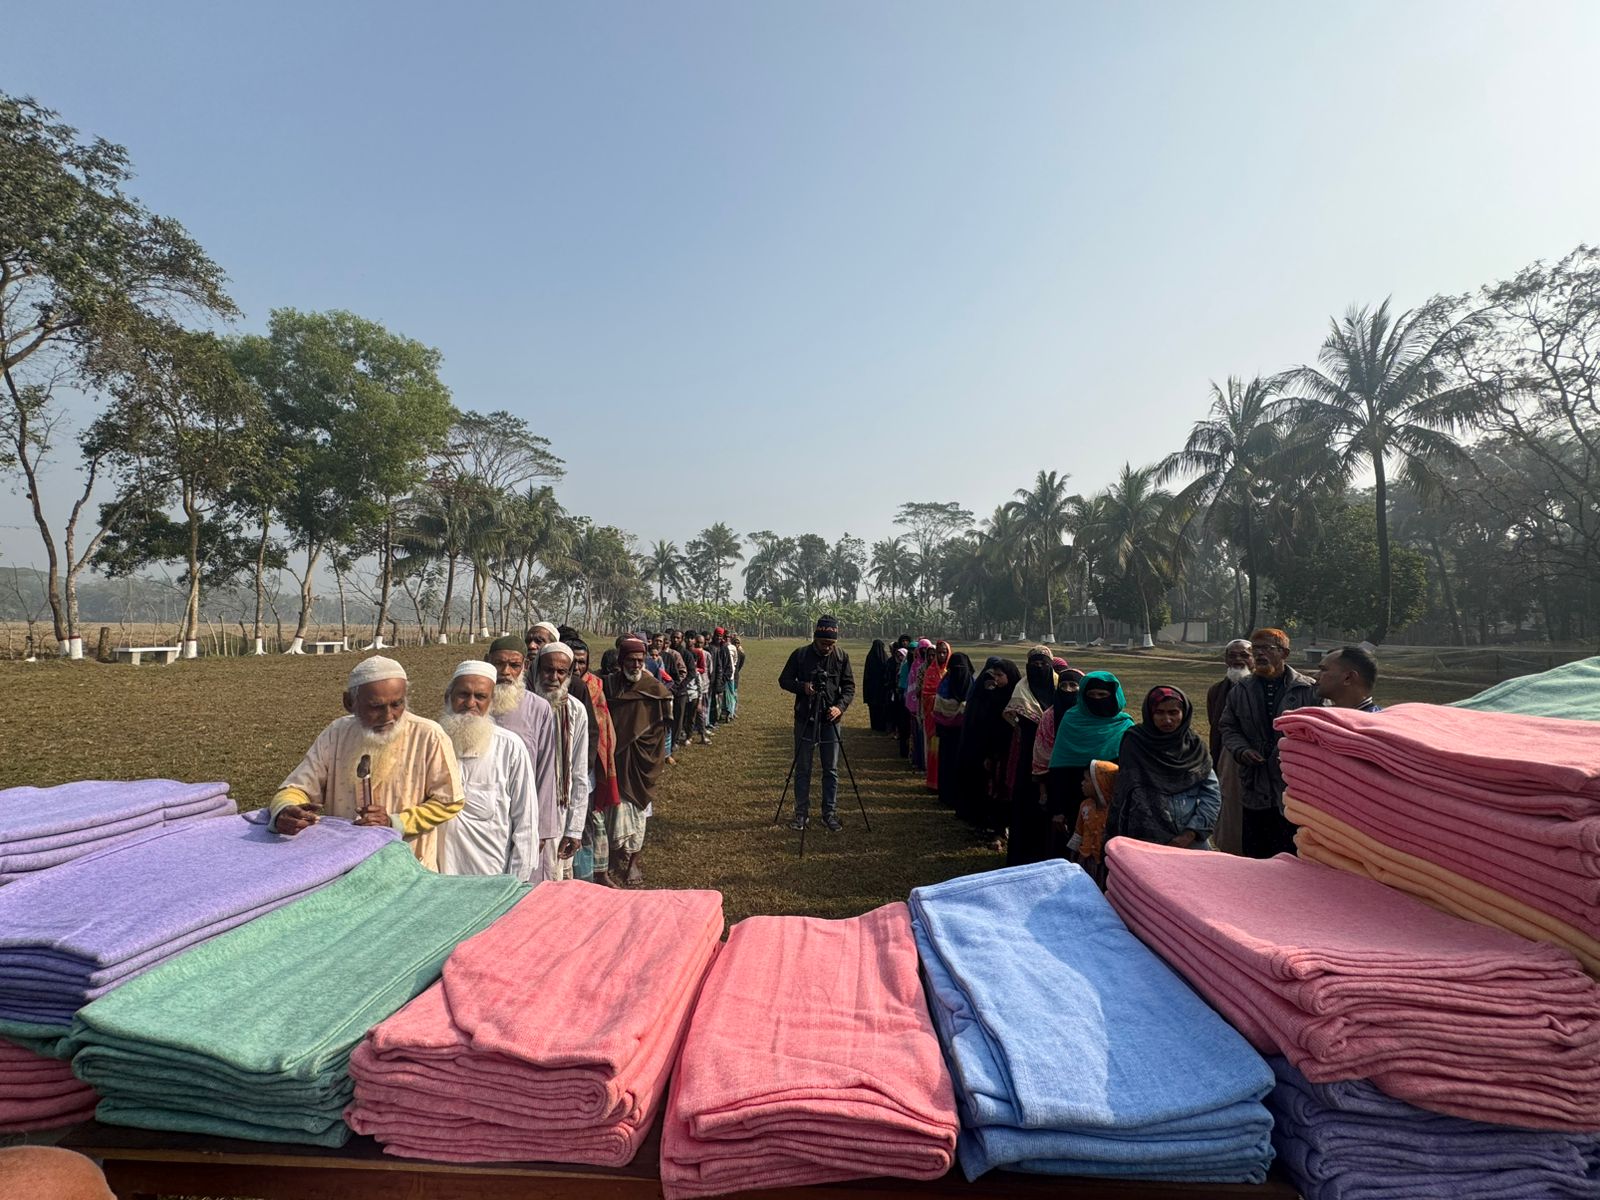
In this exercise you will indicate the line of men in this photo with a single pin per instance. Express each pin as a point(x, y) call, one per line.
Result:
point(536, 767)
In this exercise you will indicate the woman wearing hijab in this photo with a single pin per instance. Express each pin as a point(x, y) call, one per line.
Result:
point(1092, 728)
point(949, 715)
point(932, 677)
point(1167, 792)
point(913, 702)
point(1032, 701)
point(876, 686)
point(898, 716)
point(982, 798)
point(1068, 680)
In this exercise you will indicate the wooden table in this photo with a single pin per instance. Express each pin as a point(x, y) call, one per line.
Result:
point(141, 1165)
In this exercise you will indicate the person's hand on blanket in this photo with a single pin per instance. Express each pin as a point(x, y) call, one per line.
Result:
point(292, 818)
point(567, 848)
point(372, 814)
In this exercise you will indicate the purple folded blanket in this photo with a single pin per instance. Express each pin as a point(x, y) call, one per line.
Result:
point(1350, 1141)
point(72, 933)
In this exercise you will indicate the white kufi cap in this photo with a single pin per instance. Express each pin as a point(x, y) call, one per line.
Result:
point(475, 666)
point(555, 648)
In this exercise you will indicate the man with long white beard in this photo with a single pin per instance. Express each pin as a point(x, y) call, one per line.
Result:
point(553, 680)
point(407, 761)
point(497, 832)
point(529, 715)
point(1237, 660)
point(640, 708)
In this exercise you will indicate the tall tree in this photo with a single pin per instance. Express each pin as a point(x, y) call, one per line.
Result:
point(81, 262)
point(722, 548)
point(843, 571)
point(931, 522)
point(1231, 454)
point(663, 565)
point(1044, 513)
point(891, 566)
point(1135, 528)
point(1382, 397)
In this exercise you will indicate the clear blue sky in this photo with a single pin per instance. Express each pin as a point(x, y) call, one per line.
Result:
point(789, 264)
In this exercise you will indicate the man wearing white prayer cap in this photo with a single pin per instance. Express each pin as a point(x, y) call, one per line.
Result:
point(552, 679)
point(541, 635)
point(497, 833)
point(414, 777)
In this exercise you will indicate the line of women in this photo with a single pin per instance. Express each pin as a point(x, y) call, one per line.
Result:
point(1044, 762)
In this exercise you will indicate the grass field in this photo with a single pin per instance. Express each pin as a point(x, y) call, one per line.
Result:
point(248, 720)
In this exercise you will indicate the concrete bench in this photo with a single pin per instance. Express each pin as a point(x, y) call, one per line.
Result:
point(326, 647)
point(134, 654)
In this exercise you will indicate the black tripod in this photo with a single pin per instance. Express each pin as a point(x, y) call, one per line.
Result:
point(808, 742)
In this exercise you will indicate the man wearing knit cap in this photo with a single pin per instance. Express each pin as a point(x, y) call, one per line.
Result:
point(1273, 689)
point(413, 774)
point(640, 708)
point(528, 715)
point(819, 667)
point(552, 679)
point(497, 832)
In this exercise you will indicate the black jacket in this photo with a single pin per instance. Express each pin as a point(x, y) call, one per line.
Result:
point(839, 680)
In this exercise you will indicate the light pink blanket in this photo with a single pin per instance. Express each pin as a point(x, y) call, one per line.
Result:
point(1535, 764)
point(1349, 979)
point(811, 1059)
point(1529, 872)
point(40, 1093)
point(550, 1036)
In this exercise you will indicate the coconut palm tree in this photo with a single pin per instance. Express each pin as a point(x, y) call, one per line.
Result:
point(663, 566)
point(722, 547)
point(891, 566)
point(1135, 531)
point(1232, 454)
point(1044, 513)
point(1381, 397)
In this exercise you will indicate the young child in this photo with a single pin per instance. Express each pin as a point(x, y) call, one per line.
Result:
point(1086, 847)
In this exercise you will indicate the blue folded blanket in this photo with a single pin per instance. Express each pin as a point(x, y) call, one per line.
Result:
point(73, 933)
point(1074, 1049)
point(1349, 1141)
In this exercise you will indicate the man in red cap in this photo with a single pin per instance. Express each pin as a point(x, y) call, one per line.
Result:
point(641, 708)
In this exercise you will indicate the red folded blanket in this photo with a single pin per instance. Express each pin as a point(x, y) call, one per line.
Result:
point(1349, 979)
point(1532, 764)
point(551, 1035)
point(40, 1093)
point(811, 1059)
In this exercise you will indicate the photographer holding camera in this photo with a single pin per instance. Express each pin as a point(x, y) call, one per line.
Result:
point(819, 675)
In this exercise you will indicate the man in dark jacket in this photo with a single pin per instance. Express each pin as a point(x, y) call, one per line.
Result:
point(1273, 689)
point(819, 675)
point(1229, 834)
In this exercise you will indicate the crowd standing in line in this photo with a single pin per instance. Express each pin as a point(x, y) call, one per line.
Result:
point(536, 767)
point(1044, 761)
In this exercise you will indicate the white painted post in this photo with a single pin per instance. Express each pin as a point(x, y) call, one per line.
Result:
point(298, 646)
point(261, 646)
point(75, 651)
point(444, 639)
point(191, 648)
point(63, 647)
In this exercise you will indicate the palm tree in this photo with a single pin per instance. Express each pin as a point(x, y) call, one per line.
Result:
point(1231, 454)
point(1135, 533)
point(722, 547)
point(1044, 513)
point(664, 566)
point(1381, 396)
point(891, 566)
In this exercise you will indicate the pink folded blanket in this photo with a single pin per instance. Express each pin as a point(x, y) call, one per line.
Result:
point(811, 1058)
point(40, 1093)
point(1349, 979)
point(551, 1034)
point(1534, 764)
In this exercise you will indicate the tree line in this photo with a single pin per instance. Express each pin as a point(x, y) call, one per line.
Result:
point(1434, 471)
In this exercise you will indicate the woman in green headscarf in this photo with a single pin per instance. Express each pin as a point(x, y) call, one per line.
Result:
point(1090, 730)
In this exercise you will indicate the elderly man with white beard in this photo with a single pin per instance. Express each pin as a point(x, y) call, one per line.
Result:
point(409, 765)
point(521, 709)
point(553, 680)
point(497, 832)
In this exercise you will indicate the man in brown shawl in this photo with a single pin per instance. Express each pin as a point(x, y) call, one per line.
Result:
point(641, 708)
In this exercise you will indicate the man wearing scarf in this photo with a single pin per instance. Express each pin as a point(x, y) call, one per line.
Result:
point(640, 711)
point(497, 832)
point(1167, 792)
point(415, 779)
point(553, 681)
point(1236, 660)
point(821, 659)
point(528, 715)
point(1091, 729)
point(1273, 689)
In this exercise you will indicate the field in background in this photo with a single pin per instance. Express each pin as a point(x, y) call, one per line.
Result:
point(248, 720)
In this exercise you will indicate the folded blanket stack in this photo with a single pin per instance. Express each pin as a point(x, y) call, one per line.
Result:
point(39, 1093)
point(811, 1059)
point(1350, 980)
point(550, 1036)
point(249, 1035)
point(1074, 1050)
point(46, 827)
point(1571, 691)
point(72, 934)
point(1502, 810)
point(1349, 1141)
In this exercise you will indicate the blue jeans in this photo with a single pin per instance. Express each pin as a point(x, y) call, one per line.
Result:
point(827, 745)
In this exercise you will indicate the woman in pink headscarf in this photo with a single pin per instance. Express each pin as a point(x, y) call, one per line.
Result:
point(932, 677)
point(913, 702)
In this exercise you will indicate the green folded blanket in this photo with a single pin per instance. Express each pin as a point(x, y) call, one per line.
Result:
point(1571, 691)
point(249, 1035)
